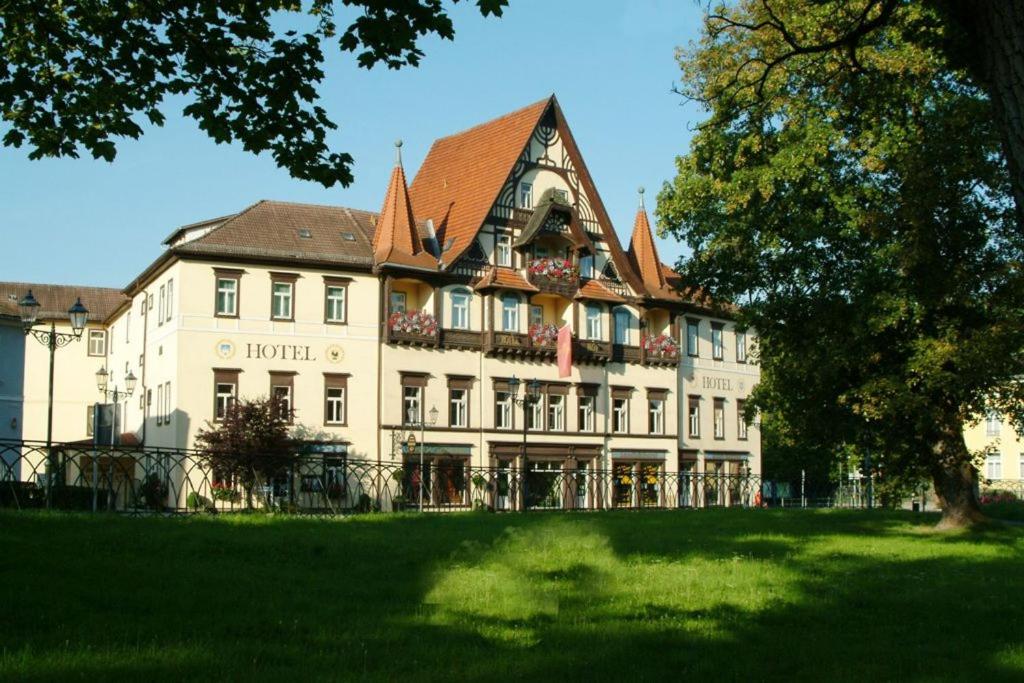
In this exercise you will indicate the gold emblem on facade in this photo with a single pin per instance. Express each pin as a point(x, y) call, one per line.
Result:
point(225, 349)
point(335, 354)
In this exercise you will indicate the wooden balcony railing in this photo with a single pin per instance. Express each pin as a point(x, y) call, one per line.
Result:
point(516, 344)
point(591, 351)
point(461, 339)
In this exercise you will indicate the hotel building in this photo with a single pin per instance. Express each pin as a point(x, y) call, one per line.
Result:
point(367, 324)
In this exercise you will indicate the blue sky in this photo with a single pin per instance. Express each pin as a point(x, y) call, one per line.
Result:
point(611, 65)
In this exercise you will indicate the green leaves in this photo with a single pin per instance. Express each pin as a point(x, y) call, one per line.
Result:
point(77, 76)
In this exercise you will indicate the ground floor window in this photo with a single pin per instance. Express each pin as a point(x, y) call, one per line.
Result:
point(544, 482)
point(636, 484)
point(443, 481)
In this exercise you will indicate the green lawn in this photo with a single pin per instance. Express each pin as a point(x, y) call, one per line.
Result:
point(729, 594)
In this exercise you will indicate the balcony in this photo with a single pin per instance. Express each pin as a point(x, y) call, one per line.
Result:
point(517, 344)
point(461, 339)
point(412, 328)
point(659, 350)
point(553, 276)
point(622, 353)
point(591, 351)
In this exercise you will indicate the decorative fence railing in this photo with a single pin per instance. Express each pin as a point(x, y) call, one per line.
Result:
point(155, 480)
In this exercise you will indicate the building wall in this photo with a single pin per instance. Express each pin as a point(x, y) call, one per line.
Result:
point(1003, 448)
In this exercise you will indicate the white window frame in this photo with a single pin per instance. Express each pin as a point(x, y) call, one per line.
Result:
point(223, 400)
point(335, 406)
point(741, 422)
point(741, 347)
point(335, 301)
point(525, 195)
point(227, 295)
point(397, 302)
point(97, 338)
point(170, 301)
point(593, 318)
point(693, 338)
point(620, 415)
point(287, 396)
point(718, 420)
point(656, 416)
point(279, 299)
point(993, 423)
point(556, 413)
point(160, 311)
point(717, 343)
point(585, 413)
point(536, 315)
point(412, 404)
point(535, 415)
point(587, 266)
point(458, 410)
point(693, 417)
point(510, 313)
point(502, 410)
point(622, 334)
point(503, 250)
point(460, 302)
point(994, 466)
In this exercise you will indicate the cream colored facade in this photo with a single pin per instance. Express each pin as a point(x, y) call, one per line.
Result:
point(1002, 448)
point(178, 335)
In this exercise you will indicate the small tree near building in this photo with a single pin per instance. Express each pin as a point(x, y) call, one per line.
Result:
point(250, 446)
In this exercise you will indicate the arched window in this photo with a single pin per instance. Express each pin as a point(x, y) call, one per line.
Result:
point(459, 319)
point(623, 326)
point(593, 327)
point(510, 313)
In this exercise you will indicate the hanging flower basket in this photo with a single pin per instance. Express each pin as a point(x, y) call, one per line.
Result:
point(413, 322)
point(543, 335)
point(662, 346)
point(554, 269)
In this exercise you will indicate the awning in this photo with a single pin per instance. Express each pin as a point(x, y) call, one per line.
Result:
point(623, 454)
point(439, 449)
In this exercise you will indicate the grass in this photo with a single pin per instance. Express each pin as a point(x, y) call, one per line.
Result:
point(719, 595)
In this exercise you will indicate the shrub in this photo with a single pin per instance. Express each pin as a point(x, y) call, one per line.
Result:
point(153, 492)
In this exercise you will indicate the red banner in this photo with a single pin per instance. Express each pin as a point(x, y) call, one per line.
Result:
point(564, 351)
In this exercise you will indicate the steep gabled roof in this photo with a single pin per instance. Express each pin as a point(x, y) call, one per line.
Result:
point(643, 253)
point(396, 240)
point(462, 175)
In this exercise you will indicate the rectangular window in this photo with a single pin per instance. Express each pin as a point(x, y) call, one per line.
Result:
point(170, 300)
point(593, 322)
point(622, 325)
point(458, 408)
point(993, 423)
point(227, 297)
point(335, 388)
point(510, 313)
point(502, 410)
point(526, 195)
point(587, 266)
point(128, 326)
point(620, 415)
point(536, 315)
point(334, 303)
point(460, 310)
point(535, 414)
point(225, 392)
point(693, 416)
point(741, 420)
point(97, 342)
point(282, 390)
point(167, 403)
point(411, 404)
point(741, 347)
point(556, 413)
point(161, 310)
point(717, 345)
point(397, 302)
point(693, 338)
point(90, 419)
point(281, 300)
point(586, 413)
point(159, 404)
point(719, 418)
point(503, 250)
point(656, 416)
point(994, 466)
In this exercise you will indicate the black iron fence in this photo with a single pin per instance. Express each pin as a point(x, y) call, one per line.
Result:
point(154, 480)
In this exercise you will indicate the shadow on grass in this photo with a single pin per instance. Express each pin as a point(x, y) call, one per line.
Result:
point(639, 596)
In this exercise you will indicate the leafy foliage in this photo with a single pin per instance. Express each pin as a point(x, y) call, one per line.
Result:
point(79, 75)
point(865, 222)
point(251, 445)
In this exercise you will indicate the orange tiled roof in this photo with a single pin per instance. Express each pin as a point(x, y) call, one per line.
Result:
point(643, 253)
point(593, 289)
point(396, 240)
point(675, 289)
point(462, 175)
point(505, 278)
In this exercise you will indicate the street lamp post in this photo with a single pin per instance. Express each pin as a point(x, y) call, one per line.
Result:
point(78, 315)
point(423, 429)
point(102, 378)
point(529, 398)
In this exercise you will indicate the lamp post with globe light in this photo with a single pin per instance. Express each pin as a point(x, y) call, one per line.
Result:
point(530, 396)
point(102, 379)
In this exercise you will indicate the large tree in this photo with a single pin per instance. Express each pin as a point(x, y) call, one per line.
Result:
point(865, 221)
point(80, 74)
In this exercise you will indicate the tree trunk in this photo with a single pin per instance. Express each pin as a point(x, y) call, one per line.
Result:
point(991, 42)
point(955, 479)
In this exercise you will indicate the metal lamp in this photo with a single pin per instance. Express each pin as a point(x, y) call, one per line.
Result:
point(79, 315)
point(129, 383)
point(102, 376)
point(29, 309)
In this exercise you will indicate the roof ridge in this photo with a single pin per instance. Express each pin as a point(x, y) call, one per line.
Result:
point(496, 119)
point(13, 283)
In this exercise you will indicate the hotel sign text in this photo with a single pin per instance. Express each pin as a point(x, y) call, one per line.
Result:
point(719, 383)
point(278, 352)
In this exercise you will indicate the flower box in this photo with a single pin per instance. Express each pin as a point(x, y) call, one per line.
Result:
point(413, 322)
point(557, 269)
point(543, 334)
point(662, 346)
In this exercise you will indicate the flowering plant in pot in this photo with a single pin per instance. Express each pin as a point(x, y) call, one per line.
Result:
point(662, 346)
point(542, 334)
point(413, 322)
point(554, 269)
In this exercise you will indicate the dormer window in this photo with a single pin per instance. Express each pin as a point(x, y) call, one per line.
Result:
point(562, 196)
point(305, 233)
point(526, 195)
